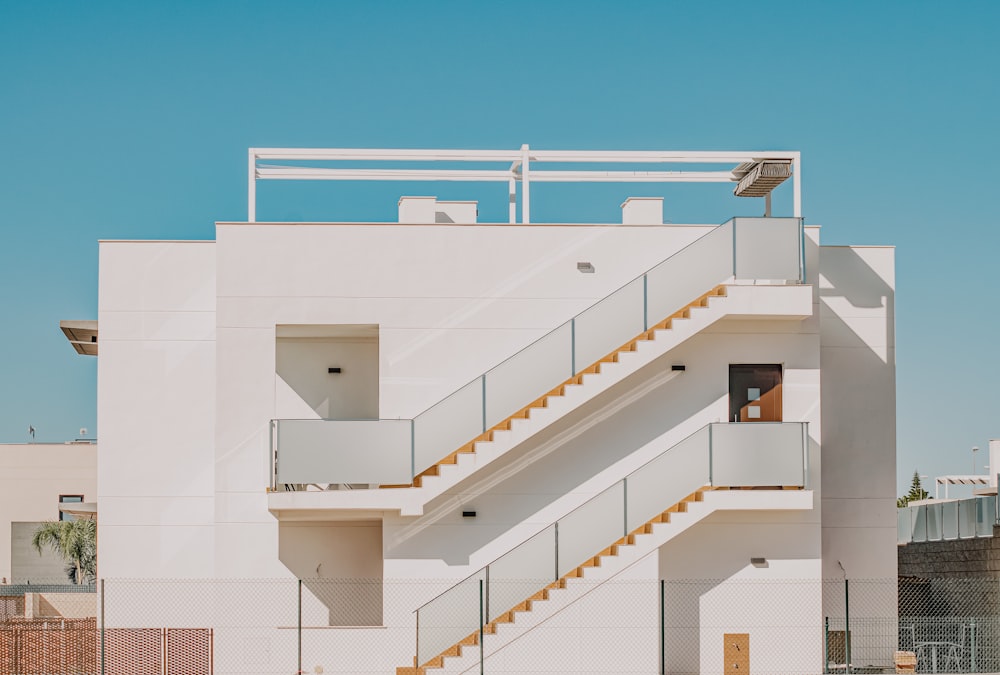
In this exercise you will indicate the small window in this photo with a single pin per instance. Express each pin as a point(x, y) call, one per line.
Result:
point(69, 499)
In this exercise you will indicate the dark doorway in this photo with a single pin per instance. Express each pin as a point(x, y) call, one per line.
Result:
point(755, 393)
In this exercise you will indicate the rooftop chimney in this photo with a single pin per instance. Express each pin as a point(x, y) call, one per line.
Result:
point(642, 211)
point(426, 210)
point(417, 209)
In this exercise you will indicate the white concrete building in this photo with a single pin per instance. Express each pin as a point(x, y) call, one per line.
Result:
point(438, 398)
point(37, 482)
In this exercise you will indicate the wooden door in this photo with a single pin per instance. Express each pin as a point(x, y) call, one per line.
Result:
point(755, 393)
point(736, 653)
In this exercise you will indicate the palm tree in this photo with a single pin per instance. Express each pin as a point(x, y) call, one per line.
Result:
point(76, 543)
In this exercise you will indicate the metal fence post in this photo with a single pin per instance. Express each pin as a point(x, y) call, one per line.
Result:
point(826, 644)
point(481, 648)
point(847, 625)
point(663, 628)
point(972, 646)
point(299, 629)
point(102, 628)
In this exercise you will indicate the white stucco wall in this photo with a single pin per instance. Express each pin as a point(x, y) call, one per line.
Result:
point(450, 302)
point(156, 396)
point(858, 357)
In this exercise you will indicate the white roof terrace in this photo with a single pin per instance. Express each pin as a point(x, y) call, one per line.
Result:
point(755, 173)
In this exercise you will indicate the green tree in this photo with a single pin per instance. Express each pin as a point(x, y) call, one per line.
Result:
point(76, 543)
point(916, 493)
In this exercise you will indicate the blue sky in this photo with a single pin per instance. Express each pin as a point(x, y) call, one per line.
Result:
point(132, 120)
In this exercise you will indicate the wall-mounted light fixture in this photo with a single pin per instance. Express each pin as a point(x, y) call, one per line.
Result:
point(678, 367)
point(585, 267)
point(758, 562)
point(468, 514)
point(334, 370)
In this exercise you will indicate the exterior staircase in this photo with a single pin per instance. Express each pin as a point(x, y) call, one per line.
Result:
point(502, 628)
point(560, 391)
point(711, 270)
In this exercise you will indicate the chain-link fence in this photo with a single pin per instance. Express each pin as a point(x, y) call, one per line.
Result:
point(577, 625)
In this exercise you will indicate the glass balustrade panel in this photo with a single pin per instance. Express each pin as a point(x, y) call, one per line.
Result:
point(985, 516)
point(450, 617)
point(967, 518)
point(522, 572)
point(768, 248)
point(918, 525)
point(933, 522)
point(529, 374)
point(591, 528)
point(758, 454)
point(689, 273)
point(609, 324)
point(903, 519)
point(667, 479)
point(448, 425)
point(949, 520)
point(343, 451)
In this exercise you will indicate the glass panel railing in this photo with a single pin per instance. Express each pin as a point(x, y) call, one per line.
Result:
point(903, 534)
point(589, 529)
point(986, 508)
point(933, 522)
point(609, 324)
point(958, 519)
point(759, 454)
point(967, 518)
point(919, 524)
point(521, 573)
point(689, 273)
point(597, 524)
point(949, 520)
point(751, 248)
point(529, 374)
point(450, 617)
point(767, 248)
point(444, 428)
point(343, 451)
point(667, 479)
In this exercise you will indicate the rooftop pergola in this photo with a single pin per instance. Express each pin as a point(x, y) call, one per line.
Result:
point(755, 174)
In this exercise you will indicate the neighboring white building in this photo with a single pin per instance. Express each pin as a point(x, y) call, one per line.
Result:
point(257, 390)
point(36, 479)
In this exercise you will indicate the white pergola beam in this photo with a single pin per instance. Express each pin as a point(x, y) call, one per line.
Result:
point(521, 169)
point(308, 173)
point(386, 155)
point(632, 176)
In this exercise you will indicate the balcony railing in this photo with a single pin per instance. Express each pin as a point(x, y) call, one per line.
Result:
point(945, 521)
point(372, 452)
point(735, 455)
